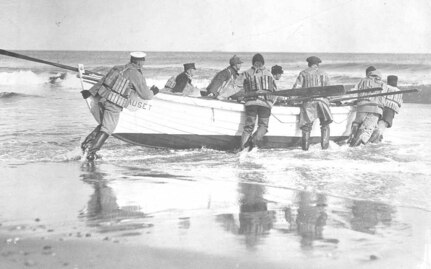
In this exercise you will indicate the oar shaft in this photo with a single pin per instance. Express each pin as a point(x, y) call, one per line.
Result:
point(24, 57)
point(365, 90)
point(374, 95)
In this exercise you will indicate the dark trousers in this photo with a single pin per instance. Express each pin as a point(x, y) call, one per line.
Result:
point(262, 114)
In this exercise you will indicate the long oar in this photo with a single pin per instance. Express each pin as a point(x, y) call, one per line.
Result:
point(302, 99)
point(24, 57)
point(364, 90)
point(324, 91)
point(373, 95)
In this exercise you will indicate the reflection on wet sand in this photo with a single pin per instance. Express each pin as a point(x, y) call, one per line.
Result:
point(311, 217)
point(367, 215)
point(254, 218)
point(260, 216)
point(103, 210)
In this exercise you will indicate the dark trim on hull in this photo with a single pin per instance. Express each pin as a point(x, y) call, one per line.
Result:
point(220, 142)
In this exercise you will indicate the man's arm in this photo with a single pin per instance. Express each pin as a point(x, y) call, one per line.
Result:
point(218, 81)
point(140, 85)
point(299, 81)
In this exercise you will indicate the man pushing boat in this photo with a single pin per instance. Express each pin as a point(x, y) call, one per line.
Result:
point(113, 93)
point(316, 107)
point(223, 85)
point(257, 80)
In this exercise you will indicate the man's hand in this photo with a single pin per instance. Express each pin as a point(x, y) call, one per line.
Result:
point(154, 89)
point(85, 94)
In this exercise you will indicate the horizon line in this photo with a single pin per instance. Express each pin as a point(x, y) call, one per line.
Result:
point(220, 51)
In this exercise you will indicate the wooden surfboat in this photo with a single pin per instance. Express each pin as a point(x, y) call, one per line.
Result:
point(180, 122)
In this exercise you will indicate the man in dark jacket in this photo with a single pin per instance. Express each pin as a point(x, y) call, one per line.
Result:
point(113, 97)
point(225, 77)
point(184, 79)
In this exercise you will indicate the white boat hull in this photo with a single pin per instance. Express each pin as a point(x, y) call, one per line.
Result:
point(174, 121)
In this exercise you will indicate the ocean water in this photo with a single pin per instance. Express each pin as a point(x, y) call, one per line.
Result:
point(363, 197)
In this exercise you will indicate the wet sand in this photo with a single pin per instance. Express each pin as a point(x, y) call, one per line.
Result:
point(59, 215)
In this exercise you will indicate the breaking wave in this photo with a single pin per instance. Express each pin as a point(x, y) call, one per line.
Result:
point(5, 95)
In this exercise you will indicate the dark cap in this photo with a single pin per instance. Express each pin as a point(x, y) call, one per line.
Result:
point(258, 58)
point(392, 80)
point(189, 66)
point(276, 69)
point(313, 60)
point(235, 60)
point(369, 69)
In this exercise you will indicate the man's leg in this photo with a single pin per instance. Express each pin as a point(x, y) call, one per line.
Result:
point(325, 134)
point(365, 130)
point(111, 116)
point(250, 121)
point(90, 138)
point(305, 141)
point(325, 118)
point(263, 114)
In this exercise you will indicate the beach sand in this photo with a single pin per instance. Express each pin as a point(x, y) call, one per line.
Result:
point(58, 215)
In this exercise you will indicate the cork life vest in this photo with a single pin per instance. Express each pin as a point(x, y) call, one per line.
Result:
point(170, 84)
point(118, 87)
point(372, 104)
point(257, 81)
point(393, 101)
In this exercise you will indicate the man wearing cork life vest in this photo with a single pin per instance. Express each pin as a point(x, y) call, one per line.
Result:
point(257, 80)
point(368, 110)
point(316, 107)
point(114, 91)
point(223, 84)
point(391, 107)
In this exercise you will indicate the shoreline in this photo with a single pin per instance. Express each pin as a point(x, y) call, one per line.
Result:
point(65, 217)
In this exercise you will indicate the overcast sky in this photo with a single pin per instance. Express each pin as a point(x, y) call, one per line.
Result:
point(400, 26)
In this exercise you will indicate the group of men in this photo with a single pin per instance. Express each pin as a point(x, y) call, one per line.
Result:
point(256, 88)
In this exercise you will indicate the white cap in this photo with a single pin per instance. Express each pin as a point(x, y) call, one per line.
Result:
point(138, 54)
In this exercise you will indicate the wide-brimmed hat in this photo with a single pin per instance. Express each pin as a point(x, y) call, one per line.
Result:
point(276, 69)
point(189, 66)
point(138, 55)
point(313, 60)
point(235, 60)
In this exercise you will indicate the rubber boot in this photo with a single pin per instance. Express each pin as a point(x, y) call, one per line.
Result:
point(375, 137)
point(357, 139)
point(324, 138)
point(246, 141)
point(96, 145)
point(305, 142)
point(90, 138)
point(353, 131)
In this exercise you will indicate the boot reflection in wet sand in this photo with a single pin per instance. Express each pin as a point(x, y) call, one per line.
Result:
point(311, 218)
point(103, 206)
point(254, 218)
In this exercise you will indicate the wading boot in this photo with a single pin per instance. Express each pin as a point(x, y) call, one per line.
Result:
point(246, 142)
point(90, 138)
point(305, 142)
point(375, 137)
point(353, 132)
point(357, 139)
point(324, 139)
point(96, 145)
